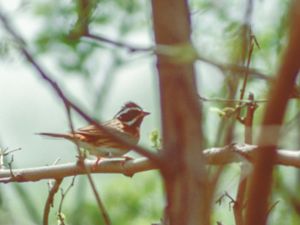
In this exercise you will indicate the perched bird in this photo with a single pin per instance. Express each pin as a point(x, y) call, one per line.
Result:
point(125, 124)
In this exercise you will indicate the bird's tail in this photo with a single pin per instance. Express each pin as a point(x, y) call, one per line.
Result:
point(55, 135)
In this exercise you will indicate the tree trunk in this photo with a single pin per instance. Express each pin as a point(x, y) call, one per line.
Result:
point(183, 171)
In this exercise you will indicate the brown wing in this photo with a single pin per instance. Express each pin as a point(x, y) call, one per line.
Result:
point(92, 133)
point(112, 125)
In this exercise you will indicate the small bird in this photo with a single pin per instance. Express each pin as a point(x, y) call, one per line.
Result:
point(125, 124)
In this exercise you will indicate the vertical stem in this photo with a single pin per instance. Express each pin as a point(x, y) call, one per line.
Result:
point(240, 199)
point(261, 180)
point(183, 171)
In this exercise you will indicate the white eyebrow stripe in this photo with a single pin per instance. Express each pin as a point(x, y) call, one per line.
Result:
point(129, 109)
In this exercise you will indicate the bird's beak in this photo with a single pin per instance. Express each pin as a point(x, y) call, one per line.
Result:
point(145, 113)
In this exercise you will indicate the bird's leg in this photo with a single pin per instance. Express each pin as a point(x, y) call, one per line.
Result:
point(98, 160)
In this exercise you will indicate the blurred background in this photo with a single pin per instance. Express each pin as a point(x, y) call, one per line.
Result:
point(100, 78)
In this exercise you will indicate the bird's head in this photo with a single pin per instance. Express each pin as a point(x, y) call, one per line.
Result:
point(131, 114)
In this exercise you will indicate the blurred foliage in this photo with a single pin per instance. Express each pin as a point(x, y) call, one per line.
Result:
point(140, 203)
point(136, 200)
point(155, 139)
point(61, 30)
point(27, 199)
point(5, 215)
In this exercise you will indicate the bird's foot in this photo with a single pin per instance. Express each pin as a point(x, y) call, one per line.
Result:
point(99, 159)
point(126, 159)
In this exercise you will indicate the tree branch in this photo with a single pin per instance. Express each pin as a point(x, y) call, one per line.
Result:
point(166, 50)
point(260, 186)
point(71, 169)
point(213, 156)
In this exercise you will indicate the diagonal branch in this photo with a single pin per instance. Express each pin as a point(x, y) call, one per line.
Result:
point(127, 46)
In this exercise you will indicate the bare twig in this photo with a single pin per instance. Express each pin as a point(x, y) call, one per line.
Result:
point(50, 199)
point(272, 207)
point(164, 50)
point(238, 69)
point(247, 67)
point(242, 188)
point(5, 152)
point(223, 100)
point(251, 107)
point(240, 198)
point(101, 206)
point(53, 188)
point(127, 46)
point(60, 215)
point(81, 157)
point(220, 199)
point(10, 166)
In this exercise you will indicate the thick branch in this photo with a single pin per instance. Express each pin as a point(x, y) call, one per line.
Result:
point(261, 181)
point(214, 156)
point(71, 169)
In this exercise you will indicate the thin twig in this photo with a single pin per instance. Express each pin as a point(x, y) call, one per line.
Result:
point(10, 167)
point(272, 207)
point(53, 188)
point(223, 100)
point(220, 199)
point(238, 69)
point(5, 152)
point(127, 46)
point(81, 158)
point(231, 202)
point(247, 67)
point(60, 215)
point(164, 50)
point(242, 188)
point(101, 206)
point(50, 199)
point(240, 198)
point(251, 107)
point(251, 48)
point(212, 184)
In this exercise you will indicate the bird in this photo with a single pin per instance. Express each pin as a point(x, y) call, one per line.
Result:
point(125, 124)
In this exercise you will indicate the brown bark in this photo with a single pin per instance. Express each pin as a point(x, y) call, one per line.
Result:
point(260, 185)
point(183, 170)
